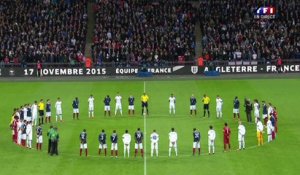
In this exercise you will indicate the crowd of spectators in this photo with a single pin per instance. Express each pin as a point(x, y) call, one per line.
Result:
point(133, 31)
point(230, 31)
point(46, 30)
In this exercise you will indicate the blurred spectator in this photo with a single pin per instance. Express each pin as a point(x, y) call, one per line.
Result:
point(48, 30)
point(140, 31)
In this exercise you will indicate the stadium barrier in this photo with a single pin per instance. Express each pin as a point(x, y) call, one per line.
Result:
point(134, 71)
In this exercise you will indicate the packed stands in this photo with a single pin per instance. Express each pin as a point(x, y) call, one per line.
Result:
point(48, 30)
point(136, 31)
point(230, 31)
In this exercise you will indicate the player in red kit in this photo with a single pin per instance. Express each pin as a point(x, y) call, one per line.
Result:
point(226, 133)
point(275, 115)
point(15, 129)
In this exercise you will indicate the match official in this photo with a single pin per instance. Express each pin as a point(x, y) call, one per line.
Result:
point(41, 107)
point(206, 101)
point(144, 99)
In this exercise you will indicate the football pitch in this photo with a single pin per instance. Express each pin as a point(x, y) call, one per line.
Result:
point(278, 157)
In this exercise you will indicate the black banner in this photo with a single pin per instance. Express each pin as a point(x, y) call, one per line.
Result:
point(133, 71)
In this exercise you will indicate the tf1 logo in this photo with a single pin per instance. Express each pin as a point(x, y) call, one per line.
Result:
point(265, 13)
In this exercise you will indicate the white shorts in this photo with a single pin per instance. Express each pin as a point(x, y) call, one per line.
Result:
point(256, 114)
point(106, 108)
point(75, 110)
point(193, 107)
point(172, 106)
point(211, 142)
point(219, 109)
point(19, 137)
point(29, 137)
point(126, 145)
point(138, 146)
point(48, 114)
point(28, 118)
point(173, 144)
point(39, 139)
point(236, 111)
point(131, 107)
point(102, 146)
point(118, 106)
point(24, 136)
point(91, 108)
point(241, 137)
point(196, 144)
point(58, 112)
point(83, 146)
point(114, 146)
point(154, 145)
point(34, 116)
point(265, 116)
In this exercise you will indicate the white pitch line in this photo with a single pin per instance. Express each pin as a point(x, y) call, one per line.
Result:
point(145, 138)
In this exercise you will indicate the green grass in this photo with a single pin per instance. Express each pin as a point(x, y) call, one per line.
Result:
point(278, 157)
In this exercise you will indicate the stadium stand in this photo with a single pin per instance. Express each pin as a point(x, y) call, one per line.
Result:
point(48, 30)
point(230, 31)
point(132, 31)
point(147, 32)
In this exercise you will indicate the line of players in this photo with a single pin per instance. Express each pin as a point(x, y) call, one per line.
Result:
point(154, 138)
point(22, 129)
point(30, 112)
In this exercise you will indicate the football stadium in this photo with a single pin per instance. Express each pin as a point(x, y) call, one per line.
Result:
point(146, 87)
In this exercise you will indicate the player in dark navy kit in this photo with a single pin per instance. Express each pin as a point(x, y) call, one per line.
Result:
point(265, 112)
point(114, 144)
point(107, 105)
point(75, 106)
point(48, 111)
point(83, 142)
point(102, 142)
point(193, 103)
point(131, 105)
point(196, 141)
point(138, 142)
point(39, 137)
point(29, 113)
point(236, 108)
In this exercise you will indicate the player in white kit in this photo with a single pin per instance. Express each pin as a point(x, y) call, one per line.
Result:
point(173, 141)
point(219, 104)
point(256, 107)
point(25, 112)
point(126, 140)
point(58, 109)
point(211, 139)
point(34, 109)
point(91, 106)
point(29, 134)
point(270, 129)
point(172, 101)
point(241, 135)
point(154, 137)
point(118, 100)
